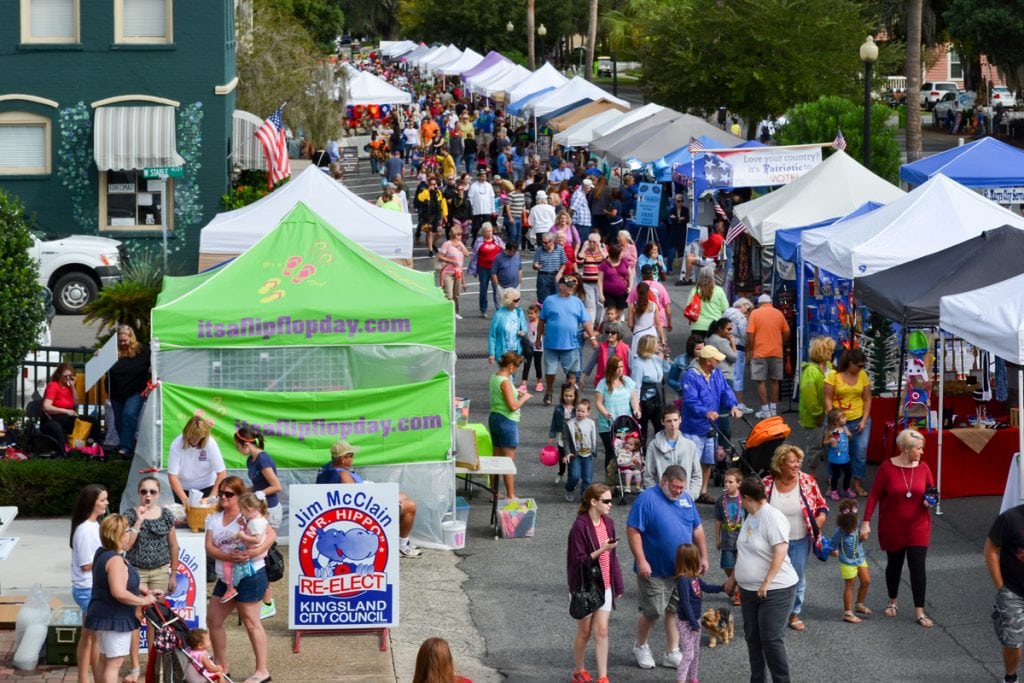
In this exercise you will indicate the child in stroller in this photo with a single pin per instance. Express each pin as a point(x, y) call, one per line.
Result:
point(627, 440)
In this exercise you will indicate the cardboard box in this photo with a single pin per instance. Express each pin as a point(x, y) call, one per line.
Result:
point(10, 605)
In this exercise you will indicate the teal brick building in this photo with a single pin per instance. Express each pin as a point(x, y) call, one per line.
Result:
point(94, 91)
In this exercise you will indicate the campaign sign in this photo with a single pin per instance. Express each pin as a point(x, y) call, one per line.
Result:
point(648, 204)
point(343, 556)
point(188, 599)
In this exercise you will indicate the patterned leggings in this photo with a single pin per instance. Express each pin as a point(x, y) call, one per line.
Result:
point(689, 645)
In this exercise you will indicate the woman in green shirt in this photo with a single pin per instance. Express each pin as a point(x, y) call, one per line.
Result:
point(503, 421)
point(812, 397)
point(713, 301)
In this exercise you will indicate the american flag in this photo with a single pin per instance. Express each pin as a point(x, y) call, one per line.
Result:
point(696, 146)
point(737, 228)
point(719, 210)
point(677, 176)
point(840, 142)
point(275, 147)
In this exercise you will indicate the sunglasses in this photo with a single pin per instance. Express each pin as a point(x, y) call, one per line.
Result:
point(226, 494)
point(148, 492)
point(515, 301)
point(605, 501)
point(67, 376)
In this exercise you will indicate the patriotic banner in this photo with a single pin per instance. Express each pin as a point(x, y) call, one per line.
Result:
point(759, 166)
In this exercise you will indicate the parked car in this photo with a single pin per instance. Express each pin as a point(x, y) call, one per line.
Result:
point(1002, 95)
point(75, 268)
point(933, 91)
point(942, 108)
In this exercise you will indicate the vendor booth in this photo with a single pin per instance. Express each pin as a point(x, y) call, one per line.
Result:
point(468, 60)
point(385, 233)
point(487, 62)
point(581, 133)
point(631, 117)
point(985, 163)
point(544, 79)
point(271, 339)
point(669, 138)
point(572, 91)
point(587, 111)
point(364, 88)
point(648, 125)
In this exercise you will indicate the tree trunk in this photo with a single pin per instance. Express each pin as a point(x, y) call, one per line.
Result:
point(912, 67)
point(531, 34)
point(591, 40)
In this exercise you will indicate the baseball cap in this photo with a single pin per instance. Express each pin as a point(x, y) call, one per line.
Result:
point(764, 299)
point(711, 352)
point(541, 194)
point(342, 448)
point(587, 182)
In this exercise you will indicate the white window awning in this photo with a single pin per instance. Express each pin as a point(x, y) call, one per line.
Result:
point(133, 138)
point(246, 150)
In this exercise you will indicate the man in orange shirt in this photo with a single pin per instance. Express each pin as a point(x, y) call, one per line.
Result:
point(428, 129)
point(767, 331)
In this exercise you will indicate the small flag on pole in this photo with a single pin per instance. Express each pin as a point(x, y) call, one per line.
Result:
point(696, 146)
point(840, 142)
point(737, 228)
point(275, 147)
point(719, 211)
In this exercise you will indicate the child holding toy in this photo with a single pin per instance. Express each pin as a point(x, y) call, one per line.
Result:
point(729, 516)
point(254, 524)
point(852, 562)
point(837, 439)
point(563, 412)
point(691, 590)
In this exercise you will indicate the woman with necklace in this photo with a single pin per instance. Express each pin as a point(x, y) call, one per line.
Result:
point(904, 522)
point(592, 540)
point(797, 496)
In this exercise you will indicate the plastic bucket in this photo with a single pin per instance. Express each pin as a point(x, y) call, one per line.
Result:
point(454, 534)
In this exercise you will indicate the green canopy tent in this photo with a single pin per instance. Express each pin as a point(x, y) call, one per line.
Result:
point(312, 339)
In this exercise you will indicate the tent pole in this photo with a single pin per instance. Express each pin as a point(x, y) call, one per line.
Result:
point(800, 316)
point(939, 426)
point(1020, 428)
point(899, 371)
point(693, 186)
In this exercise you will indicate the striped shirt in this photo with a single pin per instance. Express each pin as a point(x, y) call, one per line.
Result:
point(580, 208)
point(550, 261)
point(516, 203)
point(590, 263)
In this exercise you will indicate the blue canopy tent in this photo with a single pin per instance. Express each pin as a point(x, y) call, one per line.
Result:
point(983, 163)
point(515, 107)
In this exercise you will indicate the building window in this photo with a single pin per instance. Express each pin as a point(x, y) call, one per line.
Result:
point(956, 69)
point(49, 21)
point(24, 144)
point(130, 202)
point(143, 21)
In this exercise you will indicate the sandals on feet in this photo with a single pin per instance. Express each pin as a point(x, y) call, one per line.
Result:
point(795, 623)
point(891, 609)
point(133, 676)
point(925, 621)
point(851, 618)
point(861, 608)
point(547, 399)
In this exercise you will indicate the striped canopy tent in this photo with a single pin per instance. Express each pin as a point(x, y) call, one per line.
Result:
point(133, 138)
point(246, 151)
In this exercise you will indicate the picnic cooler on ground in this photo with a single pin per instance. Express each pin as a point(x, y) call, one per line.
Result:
point(62, 636)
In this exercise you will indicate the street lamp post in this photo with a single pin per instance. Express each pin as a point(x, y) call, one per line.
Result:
point(542, 31)
point(509, 28)
point(868, 55)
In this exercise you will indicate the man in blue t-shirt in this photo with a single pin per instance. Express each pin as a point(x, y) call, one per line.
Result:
point(561, 316)
point(661, 519)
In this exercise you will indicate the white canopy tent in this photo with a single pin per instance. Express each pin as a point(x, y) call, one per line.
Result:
point(417, 52)
point(467, 61)
point(477, 82)
point(399, 48)
point(936, 215)
point(992, 318)
point(366, 88)
point(419, 60)
point(572, 91)
point(834, 188)
point(500, 84)
point(543, 78)
point(447, 56)
point(386, 233)
point(629, 117)
point(581, 133)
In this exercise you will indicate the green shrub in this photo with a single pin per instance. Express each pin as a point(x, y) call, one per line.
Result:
point(49, 488)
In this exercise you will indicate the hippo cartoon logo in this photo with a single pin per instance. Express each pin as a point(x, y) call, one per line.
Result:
point(345, 552)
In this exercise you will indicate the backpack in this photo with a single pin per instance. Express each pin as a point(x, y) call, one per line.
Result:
point(328, 475)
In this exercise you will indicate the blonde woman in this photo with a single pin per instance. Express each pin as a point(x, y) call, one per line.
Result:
point(194, 460)
point(127, 380)
point(713, 301)
point(453, 255)
point(812, 396)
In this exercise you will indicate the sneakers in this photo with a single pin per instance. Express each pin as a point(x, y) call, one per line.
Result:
point(602, 679)
point(522, 388)
point(834, 495)
point(570, 496)
point(268, 610)
point(230, 595)
point(582, 676)
point(483, 314)
point(672, 659)
point(850, 494)
point(558, 478)
point(458, 317)
point(744, 408)
point(644, 658)
point(409, 551)
point(762, 414)
point(539, 387)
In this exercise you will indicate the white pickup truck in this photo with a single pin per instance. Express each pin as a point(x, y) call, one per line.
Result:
point(75, 268)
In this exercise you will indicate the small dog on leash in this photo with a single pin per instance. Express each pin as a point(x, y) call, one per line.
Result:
point(719, 624)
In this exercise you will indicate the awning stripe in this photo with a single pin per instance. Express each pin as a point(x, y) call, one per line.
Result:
point(246, 150)
point(133, 138)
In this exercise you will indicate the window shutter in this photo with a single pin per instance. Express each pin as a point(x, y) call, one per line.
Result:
point(22, 146)
point(52, 19)
point(145, 18)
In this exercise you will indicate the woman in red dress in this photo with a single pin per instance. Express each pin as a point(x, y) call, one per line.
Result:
point(904, 519)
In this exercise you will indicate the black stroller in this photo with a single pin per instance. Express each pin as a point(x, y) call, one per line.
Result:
point(754, 455)
point(169, 660)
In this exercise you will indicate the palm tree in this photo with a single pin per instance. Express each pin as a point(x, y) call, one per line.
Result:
point(912, 68)
point(530, 38)
point(591, 40)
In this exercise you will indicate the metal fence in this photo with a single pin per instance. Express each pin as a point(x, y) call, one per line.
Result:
point(37, 368)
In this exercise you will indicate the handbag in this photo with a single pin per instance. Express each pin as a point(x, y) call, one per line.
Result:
point(80, 432)
point(274, 563)
point(692, 310)
point(589, 597)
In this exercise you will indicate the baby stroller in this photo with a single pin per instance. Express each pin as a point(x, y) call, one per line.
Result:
point(169, 661)
point(623, 427)
point(757, 449)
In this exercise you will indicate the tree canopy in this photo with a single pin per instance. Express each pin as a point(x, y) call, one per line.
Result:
point(994, 28)
point(323, 19)
point(21, 302)
point(757, 57)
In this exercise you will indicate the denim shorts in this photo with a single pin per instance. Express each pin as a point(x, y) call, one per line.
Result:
point(82, 596)
point(728, 559)
point(705, 446)
point(1008, 618)
point(504, 432)
point(569, 360)
point(250, 589)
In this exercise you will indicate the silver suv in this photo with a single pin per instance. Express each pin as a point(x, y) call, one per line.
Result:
point(932, 92)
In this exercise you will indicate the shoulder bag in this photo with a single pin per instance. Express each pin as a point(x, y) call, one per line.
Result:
point(274, 563)
point(692, 310)
point(589, 597)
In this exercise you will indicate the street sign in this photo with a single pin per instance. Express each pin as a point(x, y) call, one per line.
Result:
point(164, 172)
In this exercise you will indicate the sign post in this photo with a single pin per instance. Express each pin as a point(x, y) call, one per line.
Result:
point(162, 173)
point(343, 559)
